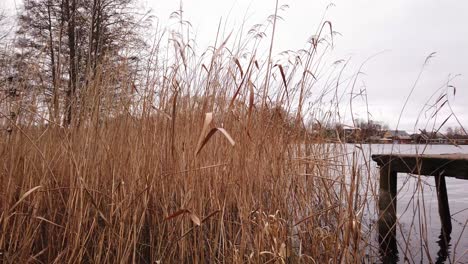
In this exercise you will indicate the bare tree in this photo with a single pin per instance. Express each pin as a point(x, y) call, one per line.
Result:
point(71, 41)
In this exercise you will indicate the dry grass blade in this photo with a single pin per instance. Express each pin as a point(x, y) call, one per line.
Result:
point(251, 104)
point(309, 72)
point(233, 100)
point(283, 75)
point(174, 215)
point(203, 140)
point(48, 221)
point(239, 66)
point(285, 82)
point(210, 215)
point(206, 124)
point(224, 43)
point(202, 221)
point(195, 219)
point(226, 134)
point(211, 133)
point(26, 194)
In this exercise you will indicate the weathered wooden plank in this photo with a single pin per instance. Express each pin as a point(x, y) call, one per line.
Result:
point(449, 165)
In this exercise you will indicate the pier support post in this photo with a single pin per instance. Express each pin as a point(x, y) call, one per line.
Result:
point(387, 214)
point(444, 210)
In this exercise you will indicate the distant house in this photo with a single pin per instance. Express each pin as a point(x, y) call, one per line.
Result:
point(374, 139)
point(461, 141)
point(397, 136)
point(430, 138)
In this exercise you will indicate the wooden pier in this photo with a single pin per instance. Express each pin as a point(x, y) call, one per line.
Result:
point(439, 166)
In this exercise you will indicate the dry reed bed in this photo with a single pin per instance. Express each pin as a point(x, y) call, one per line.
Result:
point(125, 184)
point(120, 192)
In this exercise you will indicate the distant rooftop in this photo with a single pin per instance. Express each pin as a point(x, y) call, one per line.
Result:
point(398, 133)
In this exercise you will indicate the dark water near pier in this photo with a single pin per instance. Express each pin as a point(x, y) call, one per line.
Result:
point(418, 226)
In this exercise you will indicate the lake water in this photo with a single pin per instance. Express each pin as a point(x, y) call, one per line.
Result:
point(418, 227)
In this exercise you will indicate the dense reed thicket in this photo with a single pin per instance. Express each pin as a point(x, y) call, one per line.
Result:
point(129, 191)
point(186, 157)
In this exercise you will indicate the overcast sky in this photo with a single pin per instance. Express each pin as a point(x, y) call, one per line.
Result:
point(408, 30)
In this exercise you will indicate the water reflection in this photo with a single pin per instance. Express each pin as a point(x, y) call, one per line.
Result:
point(388, 248)
point(444, 245)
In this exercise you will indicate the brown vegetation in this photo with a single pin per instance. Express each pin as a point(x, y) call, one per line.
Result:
point(109, 155)
point(128, 172)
